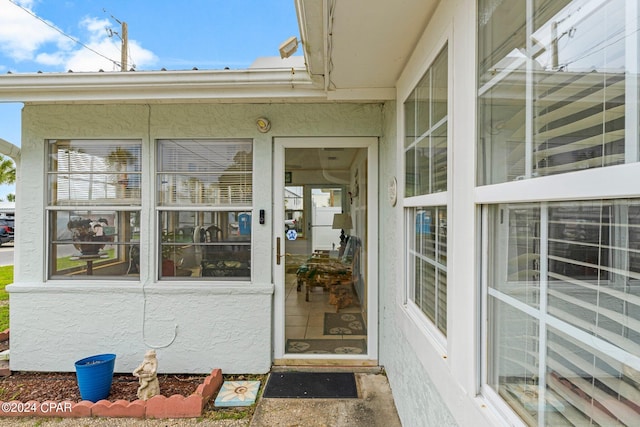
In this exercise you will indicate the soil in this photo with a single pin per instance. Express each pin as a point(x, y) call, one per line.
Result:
point(59, 386)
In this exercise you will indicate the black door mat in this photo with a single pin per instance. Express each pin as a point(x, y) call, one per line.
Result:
point(311, 385)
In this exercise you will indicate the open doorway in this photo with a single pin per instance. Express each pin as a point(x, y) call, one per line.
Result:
point(324, 279)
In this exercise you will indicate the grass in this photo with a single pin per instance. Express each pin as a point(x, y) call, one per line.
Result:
point(6, 277)
point(212, 413)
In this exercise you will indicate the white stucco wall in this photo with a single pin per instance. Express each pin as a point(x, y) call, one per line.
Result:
point(436, 383)
point(225, 325)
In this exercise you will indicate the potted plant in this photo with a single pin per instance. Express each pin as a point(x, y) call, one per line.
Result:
point(88, 235)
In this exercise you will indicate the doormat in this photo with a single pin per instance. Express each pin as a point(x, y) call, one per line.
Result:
point(310, 385)
point(344, 324)
point(319, 346)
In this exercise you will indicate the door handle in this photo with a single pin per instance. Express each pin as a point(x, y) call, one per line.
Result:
point(278, 251)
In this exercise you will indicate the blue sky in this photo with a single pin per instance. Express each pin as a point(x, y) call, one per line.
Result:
point(171, 34)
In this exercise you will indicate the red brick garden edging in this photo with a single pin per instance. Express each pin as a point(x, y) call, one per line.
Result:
point(176, 406)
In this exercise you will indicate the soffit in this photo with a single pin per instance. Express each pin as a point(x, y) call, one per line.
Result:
point(361, 43)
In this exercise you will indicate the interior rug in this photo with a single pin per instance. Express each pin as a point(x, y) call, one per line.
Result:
point(328, 346)
point(327, 385)
point(344, 324)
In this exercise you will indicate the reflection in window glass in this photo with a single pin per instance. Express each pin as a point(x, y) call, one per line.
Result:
point(566, 273)
point(212, 172)
point(205, 244)
point(426, 132)
point(94, 172)
point(88, 237)
point(578, 59)
point(213, 239)
point(92, 243)
point(428, 255)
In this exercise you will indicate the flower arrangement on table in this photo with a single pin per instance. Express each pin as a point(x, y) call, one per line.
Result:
point(88, 235)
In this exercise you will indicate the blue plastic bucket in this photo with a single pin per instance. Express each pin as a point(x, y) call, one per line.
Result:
point(94, 375)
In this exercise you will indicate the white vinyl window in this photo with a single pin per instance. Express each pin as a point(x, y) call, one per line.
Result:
point(94, 208)
point(558, 87)
point(564, 311)
point(426, 175)
point(558, 98)
point(204, 193)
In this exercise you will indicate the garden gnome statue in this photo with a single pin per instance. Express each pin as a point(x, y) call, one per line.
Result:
point(148, 377)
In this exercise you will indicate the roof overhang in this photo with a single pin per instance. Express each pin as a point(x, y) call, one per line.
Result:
point(251, 85)
point(359, 46)
point(159, 86)
point(354, 51)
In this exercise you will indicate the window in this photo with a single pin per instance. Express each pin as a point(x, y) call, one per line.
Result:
point(204, 193)
point(425, 153)
point(564, 311)
point(94, 208)
point(428, 255)
point(425, 149)
point(558, 87)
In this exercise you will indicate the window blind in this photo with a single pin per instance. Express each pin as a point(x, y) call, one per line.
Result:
point(205, 172)
point(570, 278)
point(95, 172)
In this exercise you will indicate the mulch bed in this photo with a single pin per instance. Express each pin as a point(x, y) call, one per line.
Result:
point(59, 386)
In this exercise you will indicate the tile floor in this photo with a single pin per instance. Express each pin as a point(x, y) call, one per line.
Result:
point(305, 319)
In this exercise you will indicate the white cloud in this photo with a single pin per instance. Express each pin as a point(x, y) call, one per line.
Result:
point(25, 38)
point(109, 47)
point(21, 35)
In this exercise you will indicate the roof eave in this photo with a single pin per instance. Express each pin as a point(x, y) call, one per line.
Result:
point(160, 86)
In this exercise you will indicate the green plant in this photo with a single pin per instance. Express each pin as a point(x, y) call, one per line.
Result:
point(6, 277)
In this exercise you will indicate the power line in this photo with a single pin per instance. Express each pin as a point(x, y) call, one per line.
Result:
point(64, 34)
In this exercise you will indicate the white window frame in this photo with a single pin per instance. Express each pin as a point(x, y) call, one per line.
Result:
point(439, 199)
point(160, 208)
point(610, 182)
point(127, 206)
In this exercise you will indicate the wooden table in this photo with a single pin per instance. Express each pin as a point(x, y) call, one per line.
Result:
point(89, 260)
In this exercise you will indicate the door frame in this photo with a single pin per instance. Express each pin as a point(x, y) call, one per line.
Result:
point(371, 249)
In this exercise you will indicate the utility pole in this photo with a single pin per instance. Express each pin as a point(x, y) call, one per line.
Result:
point(125, 47)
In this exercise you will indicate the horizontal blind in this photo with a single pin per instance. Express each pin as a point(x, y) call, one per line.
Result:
point(205, 172)
point(592, 282)
point(95, 172)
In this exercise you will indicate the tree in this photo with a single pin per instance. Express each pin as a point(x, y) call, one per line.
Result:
point(7, 170)
point(7, 174)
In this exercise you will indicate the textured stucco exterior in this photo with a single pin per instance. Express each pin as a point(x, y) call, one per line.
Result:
point(398, 357)
point(196, 325)
point(435, 380)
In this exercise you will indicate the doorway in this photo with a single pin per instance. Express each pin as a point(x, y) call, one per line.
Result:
point(325, 305)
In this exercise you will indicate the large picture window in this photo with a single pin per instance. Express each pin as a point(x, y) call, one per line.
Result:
point(426, 178)
point(204, 193)
point(558, 87)
point(93, 208)
point(564, 311)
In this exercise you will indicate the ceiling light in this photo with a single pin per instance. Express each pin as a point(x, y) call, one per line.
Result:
point(288, 47)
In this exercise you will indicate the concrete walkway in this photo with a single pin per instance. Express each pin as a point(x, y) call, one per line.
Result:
point(373, 408)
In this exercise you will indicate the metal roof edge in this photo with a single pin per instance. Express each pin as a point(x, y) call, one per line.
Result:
point(159, 85)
